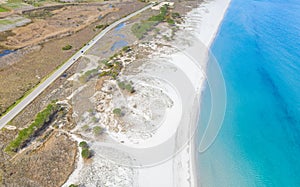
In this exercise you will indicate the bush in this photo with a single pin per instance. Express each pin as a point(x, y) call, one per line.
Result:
point(99, 26)
point(126, 86)
point(121, 85)
point(129, 88)
point(97, 130)
point(175, 15)
point(74, 185)
point(117, 112)
point(83, 144)
point(126, 49)
point(86, 153)
point(171, 22)
point(67, 47)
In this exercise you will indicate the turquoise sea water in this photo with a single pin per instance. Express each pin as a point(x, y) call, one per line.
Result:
point(258, 49)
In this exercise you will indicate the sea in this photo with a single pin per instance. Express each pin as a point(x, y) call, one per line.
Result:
point(258, 50)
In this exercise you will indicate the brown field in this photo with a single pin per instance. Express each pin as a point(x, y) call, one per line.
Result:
point(47, 23)
point(32, 167)
point(25, 68)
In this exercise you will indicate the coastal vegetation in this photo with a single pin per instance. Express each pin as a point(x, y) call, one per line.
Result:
point(140, 29)
point(2, 9)
point(101, 26)
point(26, 134)
point(126, 86)
point(117, 112)
point(83, 144)
point(74, 185)
point(97, 130)
point(88, 75)
point(114, 68)
point(85, 151)
point(67, 47)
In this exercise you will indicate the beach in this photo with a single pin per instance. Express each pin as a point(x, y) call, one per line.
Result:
point(180, 170)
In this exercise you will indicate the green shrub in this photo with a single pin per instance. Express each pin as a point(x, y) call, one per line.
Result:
point(129, 88)
point(126, 49)
point(175, 15)
point(121, 85)
point(83, 144)
point(117, 112)
point(97, 130)
point(99, 26)
point(74, 185)
point(85, 153)
point(67, 47)
point(126, 86)
point(170, 21)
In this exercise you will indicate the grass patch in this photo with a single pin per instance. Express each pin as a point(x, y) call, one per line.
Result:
point(5, 22)
point(140, 29)
point(88, 75)
point(161, 16)
point(27, 133)
point(14, 5)
point(2, 9)
point(15, 1)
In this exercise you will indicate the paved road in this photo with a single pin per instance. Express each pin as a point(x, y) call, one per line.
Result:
point(41, 87)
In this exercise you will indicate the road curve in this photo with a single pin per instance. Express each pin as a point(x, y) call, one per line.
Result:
point(42, 86)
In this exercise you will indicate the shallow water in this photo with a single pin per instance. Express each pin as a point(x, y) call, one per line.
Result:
point(257, 48)
point(118, 45)
point(120, 26)
point(5, 52)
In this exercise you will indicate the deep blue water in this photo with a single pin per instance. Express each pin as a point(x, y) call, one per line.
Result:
point(258, 49)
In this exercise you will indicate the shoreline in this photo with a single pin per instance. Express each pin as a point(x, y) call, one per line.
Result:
point(203, 23)
point(214, 8)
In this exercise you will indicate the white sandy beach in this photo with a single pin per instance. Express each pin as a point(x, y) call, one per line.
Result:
point(203, 22)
